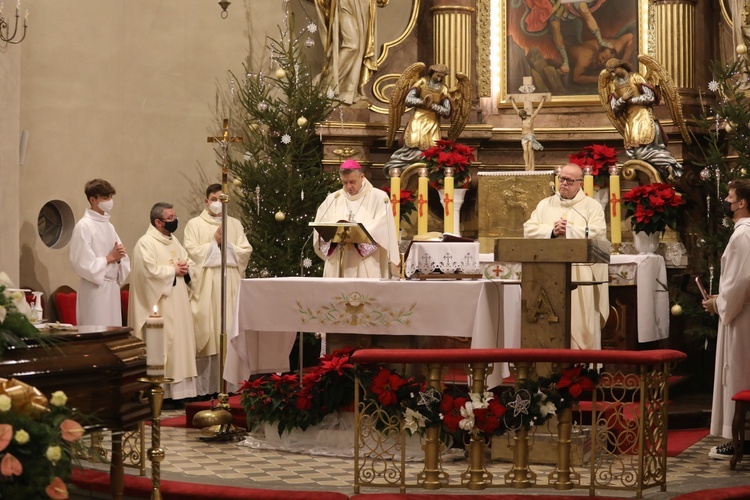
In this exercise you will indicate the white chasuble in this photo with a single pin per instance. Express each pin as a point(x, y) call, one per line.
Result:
point(372, 208)
point(732, 370)
point(153, 282)
point(99, 287)
point(589, 305)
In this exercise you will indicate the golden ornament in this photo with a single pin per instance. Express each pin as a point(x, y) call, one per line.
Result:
point(280, 216)
point(280, 73)
point(741, 49)
point(728, 127)
point(236, 182)
point(676, 310)
point(301, 121)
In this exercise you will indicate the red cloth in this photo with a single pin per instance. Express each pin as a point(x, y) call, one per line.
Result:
point(743, 396)
point(66, 307)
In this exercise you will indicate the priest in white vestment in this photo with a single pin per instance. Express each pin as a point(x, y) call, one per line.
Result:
point(160, 277)
point(99, 258)
point(358, 201)
point(203, 244)
point(732, 304)
point(569, 213)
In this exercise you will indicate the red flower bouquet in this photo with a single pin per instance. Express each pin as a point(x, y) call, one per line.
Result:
point(653, 207)
point(598, 158)
point(406, 201)
point(447, 153)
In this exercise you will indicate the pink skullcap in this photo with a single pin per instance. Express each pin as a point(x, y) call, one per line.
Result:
point(350, 164)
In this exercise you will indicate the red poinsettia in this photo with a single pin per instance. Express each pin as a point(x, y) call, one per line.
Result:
point(448, 153)
point(406, 202)
point(385, 385)
point(575, 382)
point(598, 158)
point(450, 407)
point(488, 420)
point(653, 207)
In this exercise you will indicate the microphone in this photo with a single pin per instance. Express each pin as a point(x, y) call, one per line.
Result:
point(568, 205)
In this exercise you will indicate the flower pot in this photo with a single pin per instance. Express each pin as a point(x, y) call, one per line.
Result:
point(458, 199)
point(646, 243)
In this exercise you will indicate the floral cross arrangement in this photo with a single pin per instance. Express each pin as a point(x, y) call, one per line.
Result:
point(406, 201)
point(653, 207)
point(448, 153)
point(35, 442)
point(597, 157)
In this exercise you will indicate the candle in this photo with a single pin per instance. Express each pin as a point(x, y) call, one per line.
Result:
point(448, 193)
point(422, 202)
point(396, 198)
point(588, 182)
point(615, 207)
point(155, 356)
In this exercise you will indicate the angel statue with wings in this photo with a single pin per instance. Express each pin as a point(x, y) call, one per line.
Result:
point(629, 98)
point(431, 100)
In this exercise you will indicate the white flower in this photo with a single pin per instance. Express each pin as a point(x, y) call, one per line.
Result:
point(5, 402)
point(713, 85)
point(21, 436)
point(547, 408)
point(467, 411)
point(307, 262)
point(413, 420)
point(480, 401)
point(286, 139)
point(54, 453)
point(312, 27)
point(58, 398)
point(3, 313)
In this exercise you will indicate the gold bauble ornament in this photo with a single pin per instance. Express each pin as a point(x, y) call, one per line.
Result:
point(301, 121)
point(743, 172)
point(236, 182)
point(280, 216)
point(728, 127)
point(280, 73)
point(741, 49)
point(676, 310)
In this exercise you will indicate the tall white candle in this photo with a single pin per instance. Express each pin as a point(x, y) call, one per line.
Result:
point(155, 356)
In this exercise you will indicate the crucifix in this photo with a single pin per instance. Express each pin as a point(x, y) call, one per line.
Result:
point(527, 98)
point(218, 414)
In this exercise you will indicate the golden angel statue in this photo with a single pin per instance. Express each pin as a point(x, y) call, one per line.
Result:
point(629, 98)
point(431, 100)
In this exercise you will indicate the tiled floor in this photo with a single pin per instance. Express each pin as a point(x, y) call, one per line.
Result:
point(191, 460)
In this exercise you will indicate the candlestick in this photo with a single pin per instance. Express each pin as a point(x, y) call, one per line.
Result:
point(615, 207)
point(395, 174)
point(422, 202)
point(588, 182)
point(155, 355)
point(448, 193)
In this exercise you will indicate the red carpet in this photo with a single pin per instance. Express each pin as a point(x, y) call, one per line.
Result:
point(497, 496)
point(733, 493)
point(140, 487)
point(682, 439)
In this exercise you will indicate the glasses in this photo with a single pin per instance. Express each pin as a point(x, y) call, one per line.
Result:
point(567, 180)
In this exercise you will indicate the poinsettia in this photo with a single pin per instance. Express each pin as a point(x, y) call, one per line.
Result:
point(448, 153)
point(575, 381)
point(385, 385)
point(652, 207)
point(406, 202)
point(598, 158)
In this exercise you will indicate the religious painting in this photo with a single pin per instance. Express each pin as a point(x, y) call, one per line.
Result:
point(564, 45)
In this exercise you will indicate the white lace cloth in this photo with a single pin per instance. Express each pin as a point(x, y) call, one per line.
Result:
point(427, 257)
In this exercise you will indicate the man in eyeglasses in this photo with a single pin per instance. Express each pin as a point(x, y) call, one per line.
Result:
point(569, 213)
point(160, 277)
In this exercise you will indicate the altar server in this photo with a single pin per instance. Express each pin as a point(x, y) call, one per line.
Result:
point(732, 304)
point(161, 277)
point(569, 213)
point(203, 244)
point(99, 258)
point(358, 201)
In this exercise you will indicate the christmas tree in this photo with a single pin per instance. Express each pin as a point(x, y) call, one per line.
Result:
point(280, 177)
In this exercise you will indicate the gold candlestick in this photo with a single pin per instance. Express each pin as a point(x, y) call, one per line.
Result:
point(156, 452)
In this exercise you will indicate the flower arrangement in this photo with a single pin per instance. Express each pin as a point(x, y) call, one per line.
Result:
point(653, 207)
point(598, 158)
point(406, 202)
point(15, 315)
point(448, 153)
point(35, 442)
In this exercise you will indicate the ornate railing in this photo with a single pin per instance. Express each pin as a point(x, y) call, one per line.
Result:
point(628, 425)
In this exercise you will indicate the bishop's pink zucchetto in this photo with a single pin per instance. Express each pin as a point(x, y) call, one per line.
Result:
point(350, 164)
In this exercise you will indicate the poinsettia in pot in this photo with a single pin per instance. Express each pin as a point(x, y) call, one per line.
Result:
point(652, 209)
point(448, 153)
point(598, 158)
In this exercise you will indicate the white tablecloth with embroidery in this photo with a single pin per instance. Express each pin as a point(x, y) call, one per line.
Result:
point(427, 257)
point(649, 274)
point(271, 310)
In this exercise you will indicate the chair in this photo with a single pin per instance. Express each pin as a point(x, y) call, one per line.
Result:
point(741, 407)
point(124, 301)
point(63, 300)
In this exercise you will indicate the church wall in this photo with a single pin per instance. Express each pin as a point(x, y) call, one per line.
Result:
point(124, 90)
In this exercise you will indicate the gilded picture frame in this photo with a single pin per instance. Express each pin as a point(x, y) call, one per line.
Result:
point(531, 34)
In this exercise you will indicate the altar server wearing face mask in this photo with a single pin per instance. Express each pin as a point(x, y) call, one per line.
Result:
point(99, 258)
point(203, 244)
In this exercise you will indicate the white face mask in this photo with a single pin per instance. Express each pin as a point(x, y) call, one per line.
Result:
point(215, 207)
point(106, 206)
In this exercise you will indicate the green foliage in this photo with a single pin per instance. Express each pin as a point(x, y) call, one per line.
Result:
point(280, 174)
point(15, 327)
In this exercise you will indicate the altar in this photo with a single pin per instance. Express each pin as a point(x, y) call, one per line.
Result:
point(270, 312)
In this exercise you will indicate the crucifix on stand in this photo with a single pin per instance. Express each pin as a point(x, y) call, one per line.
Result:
point(527, 98)
point(219, 414)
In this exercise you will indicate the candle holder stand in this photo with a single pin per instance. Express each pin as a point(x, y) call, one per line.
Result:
point(156, 452)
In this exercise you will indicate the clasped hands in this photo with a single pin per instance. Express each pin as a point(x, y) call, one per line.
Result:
point(117, 253)
point(560, 227)
point(181, 268)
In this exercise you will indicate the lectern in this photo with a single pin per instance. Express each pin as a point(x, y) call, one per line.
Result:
point(546, 284)
point(343, 233)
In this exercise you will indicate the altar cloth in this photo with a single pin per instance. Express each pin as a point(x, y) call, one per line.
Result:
point(270, 312)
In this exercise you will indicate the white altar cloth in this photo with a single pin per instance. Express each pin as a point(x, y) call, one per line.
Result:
point(427, 257)
point(649, 273)
point(271, 310)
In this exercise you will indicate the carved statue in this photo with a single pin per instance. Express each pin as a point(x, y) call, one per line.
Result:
point(628, 99)
point(431, 100)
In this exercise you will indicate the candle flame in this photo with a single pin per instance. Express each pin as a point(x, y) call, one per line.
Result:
point(156, 310)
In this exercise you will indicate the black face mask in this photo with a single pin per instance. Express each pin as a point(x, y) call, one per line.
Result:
point(727, 206)
point(171, 226)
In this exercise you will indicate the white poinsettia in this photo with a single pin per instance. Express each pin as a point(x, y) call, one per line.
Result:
point(467, 411)
point(413, 420)
point(481, 401)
